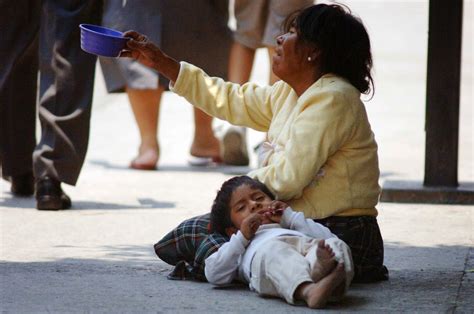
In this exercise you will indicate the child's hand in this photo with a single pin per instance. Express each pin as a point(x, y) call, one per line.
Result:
point(278, 206)
point(250, 225)
point(275, 210)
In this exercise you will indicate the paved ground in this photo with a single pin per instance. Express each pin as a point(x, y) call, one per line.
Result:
point(98, 256)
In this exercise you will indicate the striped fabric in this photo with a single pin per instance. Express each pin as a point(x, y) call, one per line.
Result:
point(187, 246)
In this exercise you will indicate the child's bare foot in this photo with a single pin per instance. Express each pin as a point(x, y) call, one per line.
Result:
point(317, 294)
point(325, 262)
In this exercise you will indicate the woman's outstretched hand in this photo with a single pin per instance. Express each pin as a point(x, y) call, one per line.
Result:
point(141, 49)
point(147, 53)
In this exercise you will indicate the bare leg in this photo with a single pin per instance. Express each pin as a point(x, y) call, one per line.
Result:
point(325, 262)
point(205, 144)
point(240, 63)
point(234, 144)
point(146, 107)
point(317, 294)
point(272, 77)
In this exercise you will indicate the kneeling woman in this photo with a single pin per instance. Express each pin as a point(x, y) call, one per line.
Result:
point(321, 157)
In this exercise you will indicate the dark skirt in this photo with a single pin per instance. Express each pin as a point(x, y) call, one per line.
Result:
point(192, 31)
point(362, 235)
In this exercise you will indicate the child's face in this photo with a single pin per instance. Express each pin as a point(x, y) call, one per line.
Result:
point(245, 201)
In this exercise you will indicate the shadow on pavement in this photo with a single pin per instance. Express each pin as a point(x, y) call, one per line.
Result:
point(145, 203)
point(234, 170)
point(129, 278)
point(225, 169)
point(29, 202)
point(130, 254)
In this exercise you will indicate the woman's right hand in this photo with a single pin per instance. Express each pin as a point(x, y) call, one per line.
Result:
point(147, 53)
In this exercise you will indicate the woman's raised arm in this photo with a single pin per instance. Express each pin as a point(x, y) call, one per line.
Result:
point(247, 105)
point(147, 53)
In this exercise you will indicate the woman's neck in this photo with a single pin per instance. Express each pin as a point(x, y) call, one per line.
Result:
point(301, 83)
point(301, 87)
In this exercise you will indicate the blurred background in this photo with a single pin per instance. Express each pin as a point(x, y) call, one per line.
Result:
point(399, 35)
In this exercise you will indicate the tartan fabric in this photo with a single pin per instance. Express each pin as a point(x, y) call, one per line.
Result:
point(187, 246)
point(362, 235)
point(209, 245)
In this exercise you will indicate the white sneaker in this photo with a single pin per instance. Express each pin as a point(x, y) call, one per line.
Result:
point(234, 146)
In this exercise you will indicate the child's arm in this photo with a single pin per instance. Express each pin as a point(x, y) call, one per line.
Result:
point(222, 267)
point(296, 221)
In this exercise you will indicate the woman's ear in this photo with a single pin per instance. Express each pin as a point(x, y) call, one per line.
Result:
point(314, 54)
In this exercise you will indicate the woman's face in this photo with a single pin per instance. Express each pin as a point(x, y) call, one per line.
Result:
point(290, 56)
point(246, 201)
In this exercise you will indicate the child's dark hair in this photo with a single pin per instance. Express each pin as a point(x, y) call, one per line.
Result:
point(341, 38)
point(220, 212)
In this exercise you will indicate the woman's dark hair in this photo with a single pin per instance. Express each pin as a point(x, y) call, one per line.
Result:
point(220, 212)
point(340, 37)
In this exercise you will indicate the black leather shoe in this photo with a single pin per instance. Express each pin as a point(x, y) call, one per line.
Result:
point(22, 185)
point(50, 196)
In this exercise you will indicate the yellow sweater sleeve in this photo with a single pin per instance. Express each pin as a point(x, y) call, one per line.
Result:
point(246, 105)
point(321, 127)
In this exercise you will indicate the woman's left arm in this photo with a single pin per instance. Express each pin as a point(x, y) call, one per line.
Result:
point(140, 48)
point(247, 105)
point(320, 129)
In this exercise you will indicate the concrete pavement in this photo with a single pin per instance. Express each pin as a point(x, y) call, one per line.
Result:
point(98, 256)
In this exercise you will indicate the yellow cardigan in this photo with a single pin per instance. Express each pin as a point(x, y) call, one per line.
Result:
point(324, 161)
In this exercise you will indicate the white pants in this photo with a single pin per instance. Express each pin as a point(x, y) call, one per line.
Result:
point(284, 263)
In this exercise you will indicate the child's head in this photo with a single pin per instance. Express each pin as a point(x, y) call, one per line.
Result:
point(238, 198)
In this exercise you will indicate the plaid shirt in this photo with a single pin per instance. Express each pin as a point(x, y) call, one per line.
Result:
point(187, 246)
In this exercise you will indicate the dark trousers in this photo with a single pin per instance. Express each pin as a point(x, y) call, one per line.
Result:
point(45, 35)
point(362, 235)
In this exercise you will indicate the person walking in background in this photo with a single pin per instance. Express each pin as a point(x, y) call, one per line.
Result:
point(258, 24)
point(48, 30)
point(185, 28)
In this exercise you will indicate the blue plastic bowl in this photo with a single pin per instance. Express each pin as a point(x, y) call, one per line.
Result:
point(101, 41)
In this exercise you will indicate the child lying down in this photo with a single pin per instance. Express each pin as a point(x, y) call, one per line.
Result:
point(275, 249)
